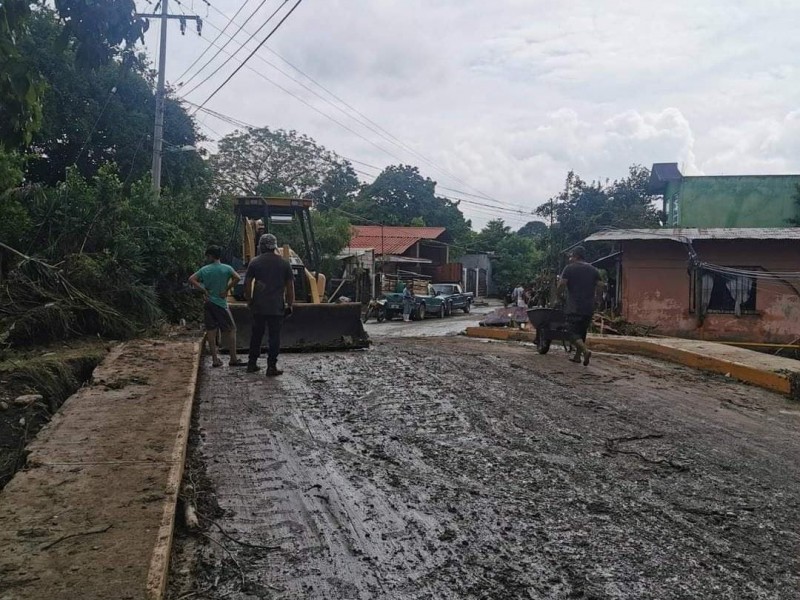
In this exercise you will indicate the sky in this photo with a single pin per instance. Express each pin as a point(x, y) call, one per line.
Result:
point(499, 99)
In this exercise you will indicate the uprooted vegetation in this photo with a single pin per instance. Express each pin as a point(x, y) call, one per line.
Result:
point(85, 295)
point(93, 258)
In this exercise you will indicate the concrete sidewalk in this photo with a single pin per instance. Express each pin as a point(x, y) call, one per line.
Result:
point(764, 370)
point(92, 515)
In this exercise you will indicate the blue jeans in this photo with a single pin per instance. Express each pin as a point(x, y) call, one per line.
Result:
point(272, 324)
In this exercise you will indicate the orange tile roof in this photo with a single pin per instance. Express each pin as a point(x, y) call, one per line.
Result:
point(391, 240)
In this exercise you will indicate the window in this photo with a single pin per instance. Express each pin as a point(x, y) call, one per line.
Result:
point(728, 293)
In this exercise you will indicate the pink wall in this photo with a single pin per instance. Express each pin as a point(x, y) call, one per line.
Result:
point(655, 289)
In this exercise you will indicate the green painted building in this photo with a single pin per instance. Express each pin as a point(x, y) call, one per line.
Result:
point(725, 200)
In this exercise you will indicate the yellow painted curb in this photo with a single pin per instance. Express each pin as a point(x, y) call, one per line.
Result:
point(776, 381)
point(505, 334)
point(159, 562)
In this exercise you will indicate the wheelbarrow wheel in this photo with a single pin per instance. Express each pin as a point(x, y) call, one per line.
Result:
point(542, 341)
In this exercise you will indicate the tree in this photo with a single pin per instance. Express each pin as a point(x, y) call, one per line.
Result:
point(265, 162)
point(338, 188)
point(516, 261)
point(97, 30)
point(400, 195)
point(86, 124)
point(490, 237)
point(533, 229)
point(584, 208)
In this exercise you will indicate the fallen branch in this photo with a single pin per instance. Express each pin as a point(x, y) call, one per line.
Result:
point(230, 555)
point(235, 540)
point(94, 531)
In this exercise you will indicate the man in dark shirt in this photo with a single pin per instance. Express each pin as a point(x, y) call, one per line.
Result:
point(581, 280)
point(267, 280)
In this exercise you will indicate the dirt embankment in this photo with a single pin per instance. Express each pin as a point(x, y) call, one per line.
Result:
point(33, 386)
point(456, 469)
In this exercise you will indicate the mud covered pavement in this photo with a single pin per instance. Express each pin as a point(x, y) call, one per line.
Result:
point(450, 468)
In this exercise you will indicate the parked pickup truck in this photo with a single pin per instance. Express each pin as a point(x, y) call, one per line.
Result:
point(453, 297)
point(423, 306)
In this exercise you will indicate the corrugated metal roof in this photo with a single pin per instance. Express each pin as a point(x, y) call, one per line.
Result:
point(387, 245)
point(392, 240)
point(693, 233)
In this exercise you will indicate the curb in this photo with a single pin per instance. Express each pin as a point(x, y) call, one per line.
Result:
point(159, 563)
point(781, 380)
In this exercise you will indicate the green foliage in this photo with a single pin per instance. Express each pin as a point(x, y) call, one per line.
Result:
point(400, 195)
point(15, 223)
point(516, 261)
point(338, 188)
point(96, 29)
point(120, 257)
point(266, 162)
point(584, 208)
point(86, 125)
point(533, 229)
point(490, 237)
point(332, 232)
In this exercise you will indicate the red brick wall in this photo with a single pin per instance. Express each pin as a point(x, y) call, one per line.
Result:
point(655, 289)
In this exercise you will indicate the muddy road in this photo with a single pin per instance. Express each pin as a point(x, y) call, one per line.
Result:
point(450, 468)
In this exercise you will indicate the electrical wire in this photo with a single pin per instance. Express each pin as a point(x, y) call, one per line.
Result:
point(230, 39)
point(396, 141)
point(97, 121)
point(482, 209)
point(207, 48)
point(249, 56)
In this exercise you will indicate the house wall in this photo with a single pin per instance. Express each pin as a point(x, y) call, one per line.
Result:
point(656, 288)
point(732, 201)
point(480, 261)
point(433, 252)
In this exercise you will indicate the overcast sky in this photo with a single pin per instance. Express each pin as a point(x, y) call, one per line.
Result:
point(503, 97)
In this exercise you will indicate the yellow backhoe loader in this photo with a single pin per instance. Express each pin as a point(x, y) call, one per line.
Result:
point(315, 325)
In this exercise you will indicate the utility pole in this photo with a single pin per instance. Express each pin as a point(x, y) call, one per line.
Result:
point(158, 133)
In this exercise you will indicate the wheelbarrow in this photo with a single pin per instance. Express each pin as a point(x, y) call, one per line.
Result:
point(551, 324)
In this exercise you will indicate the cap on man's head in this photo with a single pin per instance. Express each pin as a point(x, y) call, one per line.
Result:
point(267, 242)
point(578, 252)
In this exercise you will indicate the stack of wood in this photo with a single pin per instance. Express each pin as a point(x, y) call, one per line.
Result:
point(419, 285)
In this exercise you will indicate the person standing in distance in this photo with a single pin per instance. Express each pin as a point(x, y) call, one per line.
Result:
point(518, 296)
point(408, 301)
point(267, 281)
point(216, 280)
point(581, 280)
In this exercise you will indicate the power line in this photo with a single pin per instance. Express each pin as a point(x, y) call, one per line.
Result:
point(386, 135)
point(486, 209)
point(249, 56)
point(230, 39)
point(202, 54)
point(97, 121)
point(369, 124)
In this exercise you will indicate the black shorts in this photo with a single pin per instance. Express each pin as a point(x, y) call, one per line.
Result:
point(216, 317)
point(578, 325)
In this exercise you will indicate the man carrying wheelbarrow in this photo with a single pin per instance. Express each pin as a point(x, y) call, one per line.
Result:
point(581, 280)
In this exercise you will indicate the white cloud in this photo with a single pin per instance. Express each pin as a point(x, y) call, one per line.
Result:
point(509, 95)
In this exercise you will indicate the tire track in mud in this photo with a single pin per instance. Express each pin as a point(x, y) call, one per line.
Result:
point(456, 469)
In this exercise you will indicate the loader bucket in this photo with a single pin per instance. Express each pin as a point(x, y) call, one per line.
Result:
point(310, 328)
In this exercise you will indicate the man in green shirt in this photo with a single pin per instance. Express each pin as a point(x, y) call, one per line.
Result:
point(216, 280)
